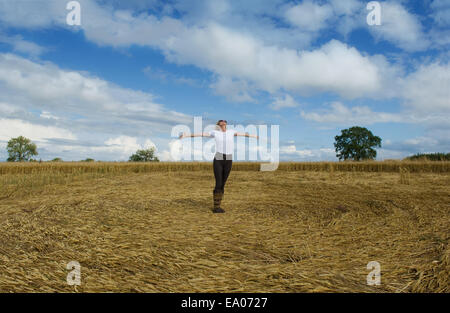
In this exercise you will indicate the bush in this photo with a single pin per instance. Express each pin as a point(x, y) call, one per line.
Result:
point(147, 155)
point(430, 157)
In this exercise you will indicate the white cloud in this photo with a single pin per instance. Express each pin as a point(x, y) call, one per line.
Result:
point(440, 39)
point(427, 89)
point(122, 146)
point(118, 148)
point(349, 16)
point(236, 55)
point(400, 27)
point(309, 15)
point(7, 109)
point(313, 16)
point(339, 114)
point(75, 105)
point(424, 95)
point(441, 12)
point(284, 102)
point(232, 89)
point(247, 60)
point(165, 156)
point(421, 141)
point(48, 115)
point(384, 154)
point(11, 128)
point(18, 44)
point(31, 14)
point(346, 7)
point(48, 88)
point(292, 153)
point(288, 149)
point(430, 142)
point(334, 67)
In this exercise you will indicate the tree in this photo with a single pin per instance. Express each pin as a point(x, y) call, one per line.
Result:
point(21, 149)
point(438, 156)
point(56, 160)
point(147, 155)
point(356, 143)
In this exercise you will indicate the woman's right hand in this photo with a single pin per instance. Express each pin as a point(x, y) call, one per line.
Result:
point(182, 135)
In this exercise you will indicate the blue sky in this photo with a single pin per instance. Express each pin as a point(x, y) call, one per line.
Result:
point(133, 70)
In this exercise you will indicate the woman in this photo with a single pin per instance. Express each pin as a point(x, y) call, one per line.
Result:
point(223, 158)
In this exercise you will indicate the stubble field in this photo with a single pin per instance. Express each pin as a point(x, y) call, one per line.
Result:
point(283, 231)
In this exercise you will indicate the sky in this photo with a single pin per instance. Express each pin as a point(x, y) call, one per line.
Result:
point(133, 70)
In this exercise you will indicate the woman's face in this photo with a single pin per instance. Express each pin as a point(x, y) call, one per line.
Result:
point(223, 126)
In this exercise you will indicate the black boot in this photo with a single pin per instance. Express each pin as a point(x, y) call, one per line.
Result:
point(217, 199)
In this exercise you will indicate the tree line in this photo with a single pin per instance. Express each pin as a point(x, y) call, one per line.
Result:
point(21, 149)
point(355, 143)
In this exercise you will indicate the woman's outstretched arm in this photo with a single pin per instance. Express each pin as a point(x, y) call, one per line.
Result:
point(247, 135)
point(184, 135)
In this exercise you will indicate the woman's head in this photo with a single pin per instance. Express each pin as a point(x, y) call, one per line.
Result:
point(222, 124)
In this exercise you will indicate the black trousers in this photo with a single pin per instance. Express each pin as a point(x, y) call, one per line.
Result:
point(222, 168)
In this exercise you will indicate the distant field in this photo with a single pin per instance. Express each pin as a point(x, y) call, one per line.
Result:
point(144, 167)
point(307, 227)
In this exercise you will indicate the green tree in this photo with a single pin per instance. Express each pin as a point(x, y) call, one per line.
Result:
point(146, 155)
point(21, 149)
point(438, 156)
point(356, 143)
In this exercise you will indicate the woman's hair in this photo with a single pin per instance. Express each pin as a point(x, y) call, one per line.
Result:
point(218, 122)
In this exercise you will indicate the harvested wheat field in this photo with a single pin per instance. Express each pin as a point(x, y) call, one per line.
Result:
point(283, 231)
